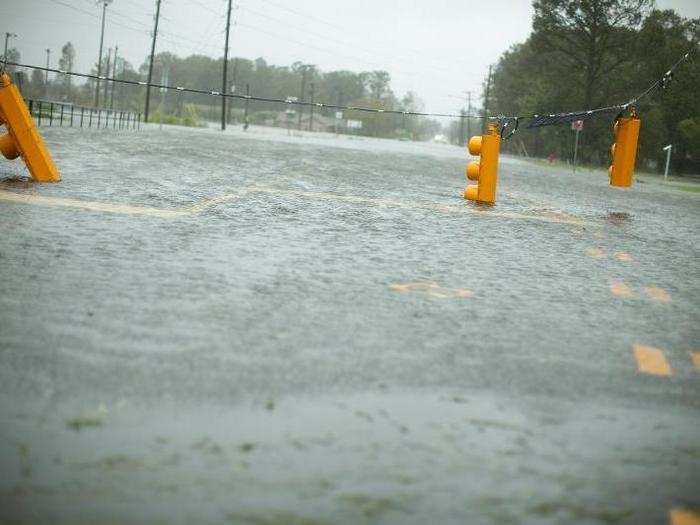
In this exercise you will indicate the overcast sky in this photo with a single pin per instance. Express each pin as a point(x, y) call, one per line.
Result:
point(438, 48)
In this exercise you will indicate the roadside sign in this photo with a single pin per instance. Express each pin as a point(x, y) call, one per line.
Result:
point(577, 125)
point(339, 115)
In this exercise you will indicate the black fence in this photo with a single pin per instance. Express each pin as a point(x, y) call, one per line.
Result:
point(60, 114)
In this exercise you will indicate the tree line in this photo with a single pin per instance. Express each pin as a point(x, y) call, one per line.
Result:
point(257, 77)
point(584, 54)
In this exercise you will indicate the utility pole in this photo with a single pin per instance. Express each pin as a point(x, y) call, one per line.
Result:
point(114, 75)
point(469, 112)
point(245, 108)
point(461, 128)
point(105, 3)
point(7, 41)
point(301, 97)
point(486, 102)
point(339, 96)
point(46, 74)
point(224, 81)
point(109, 56)
point(233, 90)
point(311, 108)
point(150, 65)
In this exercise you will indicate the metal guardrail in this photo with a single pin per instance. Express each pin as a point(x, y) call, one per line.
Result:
point(49, 113)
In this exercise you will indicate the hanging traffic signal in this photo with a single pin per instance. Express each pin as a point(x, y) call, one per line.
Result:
point(22, 138)
point(624, 150)
point(485, 171)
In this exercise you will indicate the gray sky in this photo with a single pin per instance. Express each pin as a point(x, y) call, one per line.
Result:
point(423, 44)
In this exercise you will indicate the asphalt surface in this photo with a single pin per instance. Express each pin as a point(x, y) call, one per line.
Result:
point(199, 327)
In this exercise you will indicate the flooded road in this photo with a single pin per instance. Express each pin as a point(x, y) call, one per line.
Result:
point(259, 328)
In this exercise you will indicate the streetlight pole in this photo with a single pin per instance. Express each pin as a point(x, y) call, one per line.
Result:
point(104, 3)
point(667, 149)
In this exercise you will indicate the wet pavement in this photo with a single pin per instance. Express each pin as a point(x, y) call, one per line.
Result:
point(259, 328)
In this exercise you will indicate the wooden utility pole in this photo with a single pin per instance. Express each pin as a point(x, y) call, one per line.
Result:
point(486, 103)
point(105, 3)
point(46, 75)
point(225, 80)
point(114, 75)
point(150, 65)
point(245, 108)
point(233, 83)
point(469, 112)
point(109, 59)
point(301, 97)
point(311, 108)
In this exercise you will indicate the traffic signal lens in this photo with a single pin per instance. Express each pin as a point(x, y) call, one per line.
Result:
point(475, 145)
point(473, 171)
point(471, 192)
point(7, 147)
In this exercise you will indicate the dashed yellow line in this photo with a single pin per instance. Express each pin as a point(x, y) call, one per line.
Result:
point(651, 361)
point(658, 294)
point(620, 289)
point(595, 253)
point(432, 289)
point(684, 517)
point(40, 200)
point(623, 256)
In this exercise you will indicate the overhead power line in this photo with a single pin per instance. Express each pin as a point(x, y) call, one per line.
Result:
point(508, 122)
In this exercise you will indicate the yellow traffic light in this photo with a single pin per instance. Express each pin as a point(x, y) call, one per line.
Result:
point(22, 137)
point(624, 151)
point(485, 171)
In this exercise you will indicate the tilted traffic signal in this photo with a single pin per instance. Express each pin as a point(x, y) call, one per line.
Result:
point(485, 171)
point(624, 150)
point(22, 138)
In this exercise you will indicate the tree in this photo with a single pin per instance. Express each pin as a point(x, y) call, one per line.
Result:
point(65, 63)
point(12, 56)
point(378, 83)
point(590, 36)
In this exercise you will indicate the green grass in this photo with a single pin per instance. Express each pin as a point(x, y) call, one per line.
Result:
point(695, 188)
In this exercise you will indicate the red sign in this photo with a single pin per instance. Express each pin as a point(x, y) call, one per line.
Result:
point(577, 125)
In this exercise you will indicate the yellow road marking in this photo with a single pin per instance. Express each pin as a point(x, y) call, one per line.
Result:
point(620, 289)
point(595, 253)
point(684, 517)
point(208, 203)
point(658, 294)
point(35, 199)
point(695, 358)
point(432, 289)
point(444, 208)
point(623, 256)
point(41, 200)
point(651, 361)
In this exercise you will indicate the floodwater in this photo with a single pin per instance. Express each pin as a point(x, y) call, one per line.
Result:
point(259, 328)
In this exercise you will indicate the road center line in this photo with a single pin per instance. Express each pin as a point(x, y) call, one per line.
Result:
point(684, 517)
point(651, 361)
point(41, 200)
point(695, 358)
